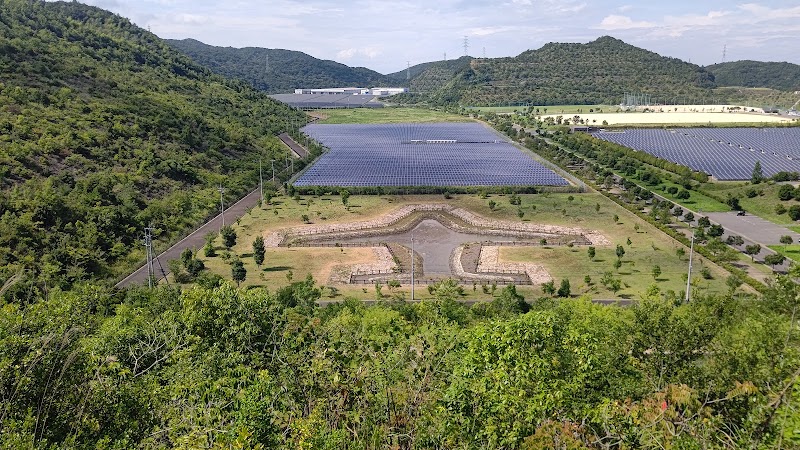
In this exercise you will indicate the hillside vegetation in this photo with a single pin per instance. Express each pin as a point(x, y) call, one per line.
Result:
point(104, 129)
point(781, 76)
point(599, 72)
point(277, 71)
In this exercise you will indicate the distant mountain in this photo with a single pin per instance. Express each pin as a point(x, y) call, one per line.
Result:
point(104, 129)
point(594, 73)
point(782, 76)
point(277, 71)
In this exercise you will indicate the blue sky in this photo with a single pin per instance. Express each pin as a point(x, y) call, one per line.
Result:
point(384, 36)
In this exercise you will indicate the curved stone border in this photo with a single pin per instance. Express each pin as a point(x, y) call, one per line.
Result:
point(383, 266)
point(489, 262)
point(458, 269)
point(484, 225)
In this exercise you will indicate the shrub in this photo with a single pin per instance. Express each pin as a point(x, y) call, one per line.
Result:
point(794, 212)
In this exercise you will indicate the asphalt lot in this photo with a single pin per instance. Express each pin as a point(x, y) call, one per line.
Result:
point(753, 228)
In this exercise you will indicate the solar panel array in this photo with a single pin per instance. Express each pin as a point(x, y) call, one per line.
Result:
point(724, 153)
point(319, 101)
point(464, 154)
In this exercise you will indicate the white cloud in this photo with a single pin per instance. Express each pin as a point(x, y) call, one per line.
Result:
point(350, 53)
point(618, 22)
point(488, 31)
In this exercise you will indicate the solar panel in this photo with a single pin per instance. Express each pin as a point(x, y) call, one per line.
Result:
point(724, 153)
point(433, 154)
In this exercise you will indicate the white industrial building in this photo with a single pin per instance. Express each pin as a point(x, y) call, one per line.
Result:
point(378, 91)
point(386, 91)
point(346, 90)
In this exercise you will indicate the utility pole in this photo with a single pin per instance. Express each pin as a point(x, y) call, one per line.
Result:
point(689, 277)
point(408, 70)
point(221, 205)
point(412, 266)
point(261, 180)
point(273, 170)
point(148, 244)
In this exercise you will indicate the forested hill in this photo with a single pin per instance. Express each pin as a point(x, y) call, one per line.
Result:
point(105, 129)
point(598, 72)
point(782, 76)
point(277, 71)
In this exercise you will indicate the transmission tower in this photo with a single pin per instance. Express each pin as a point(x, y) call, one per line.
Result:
point(408, 70)
point(724, 52)
point(445, 56)
point(484, 52)
point(466, 46)
point(148, 244)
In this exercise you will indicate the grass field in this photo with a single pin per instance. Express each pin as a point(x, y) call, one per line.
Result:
point(648, 246)
point(674, 118)
point(790, 251)
point(387, 115)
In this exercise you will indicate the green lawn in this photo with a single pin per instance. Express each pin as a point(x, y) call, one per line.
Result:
point(790, 251)
point(387, 115)
point(696, 202)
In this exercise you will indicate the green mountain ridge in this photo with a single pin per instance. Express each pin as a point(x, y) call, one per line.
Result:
point(277, 71)
point(598, 72)
point(104, 129)
point(782, 76)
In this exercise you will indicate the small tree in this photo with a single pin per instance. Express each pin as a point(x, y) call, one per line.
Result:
point(228, 236)
point(786, 240)
point(752, 250)
point(786, 192)
point(259, 250)
point(564, 289)
point(617, 264)
point(592, 252)
point(656, 272)
point(549, 287)
point(758, 175)
point(680, 252)
point(620, 251)
point(794, 212)
point(715, 230)
point(238, 272)
point(492, 204)
point(703, 222)
point(616, 218)
point(520, 213)
point(186, 257)
point(734, 241)
point(774, 259)
point(345, 194)
point(689, 216)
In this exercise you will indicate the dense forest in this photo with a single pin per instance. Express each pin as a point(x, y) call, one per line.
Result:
point(218, 367)
point(277, 71)
point(104, 129)
point(781, 76)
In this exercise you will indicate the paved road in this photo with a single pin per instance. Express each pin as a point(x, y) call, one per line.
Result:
point(753, 228)
point(195, 240)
